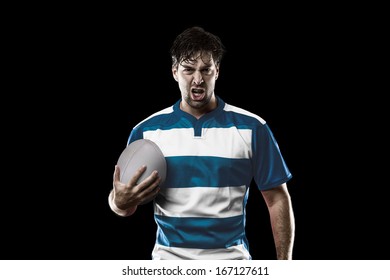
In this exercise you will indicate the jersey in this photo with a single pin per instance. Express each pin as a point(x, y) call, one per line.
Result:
point(211, 161)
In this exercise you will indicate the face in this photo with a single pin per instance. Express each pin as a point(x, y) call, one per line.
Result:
point(196, 80)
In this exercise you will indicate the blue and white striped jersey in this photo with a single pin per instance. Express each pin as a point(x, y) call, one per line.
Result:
point(200, 210)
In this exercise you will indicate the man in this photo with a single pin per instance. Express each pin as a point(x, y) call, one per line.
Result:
point(213, 151)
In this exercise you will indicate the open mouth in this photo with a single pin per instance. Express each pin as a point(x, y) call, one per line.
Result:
point(197, 93)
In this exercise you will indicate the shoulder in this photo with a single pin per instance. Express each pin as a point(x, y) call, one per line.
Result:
point(243, 113)
point(156, 117)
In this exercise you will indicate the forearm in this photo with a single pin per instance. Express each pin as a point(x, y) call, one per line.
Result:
point(283, 228)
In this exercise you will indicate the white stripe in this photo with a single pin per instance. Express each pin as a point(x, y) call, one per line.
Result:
point(243, 112)
point(161, 112)
point(237, 252)
point(219, 142)
point(200, 202)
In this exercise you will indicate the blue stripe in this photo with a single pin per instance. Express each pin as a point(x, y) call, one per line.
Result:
point(202, 171)
point(201, 233)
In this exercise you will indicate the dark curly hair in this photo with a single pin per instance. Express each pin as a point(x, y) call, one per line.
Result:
point(196, 41)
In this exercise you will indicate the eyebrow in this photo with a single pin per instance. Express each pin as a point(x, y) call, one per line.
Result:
point(207, 65)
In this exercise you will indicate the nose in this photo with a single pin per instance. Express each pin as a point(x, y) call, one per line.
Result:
point(197, 78)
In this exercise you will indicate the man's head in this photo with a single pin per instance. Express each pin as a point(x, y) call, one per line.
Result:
point(196, 56)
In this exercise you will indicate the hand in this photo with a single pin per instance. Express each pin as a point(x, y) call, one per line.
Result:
point(130, 194)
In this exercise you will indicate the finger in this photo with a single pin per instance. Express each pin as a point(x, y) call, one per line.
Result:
point(155, 191)
point(117, 173)
point(133, 181)
point(149, 197)
point(151, 187)
point(150, 181)
point(116, 180)
point(117, 183)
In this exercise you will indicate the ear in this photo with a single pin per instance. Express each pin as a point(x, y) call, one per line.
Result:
point(174, 73)
point(217, 72)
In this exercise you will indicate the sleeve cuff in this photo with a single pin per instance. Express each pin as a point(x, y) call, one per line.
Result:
point(115, 209)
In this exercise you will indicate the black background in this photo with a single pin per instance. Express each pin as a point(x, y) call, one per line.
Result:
point(82, 80)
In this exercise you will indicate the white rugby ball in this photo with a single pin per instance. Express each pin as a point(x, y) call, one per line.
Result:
point(138, 153)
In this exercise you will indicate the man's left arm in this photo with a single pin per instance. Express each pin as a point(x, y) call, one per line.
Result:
point(280, 208)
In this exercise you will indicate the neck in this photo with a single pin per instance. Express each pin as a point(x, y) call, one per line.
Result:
point(199, 112)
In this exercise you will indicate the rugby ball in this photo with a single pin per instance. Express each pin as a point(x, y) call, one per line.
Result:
point(138, 153)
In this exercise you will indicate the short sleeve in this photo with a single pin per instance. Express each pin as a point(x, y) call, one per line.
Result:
point(270, 169)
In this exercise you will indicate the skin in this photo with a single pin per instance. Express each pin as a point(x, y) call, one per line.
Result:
point(280, 209)
point(196, 79)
